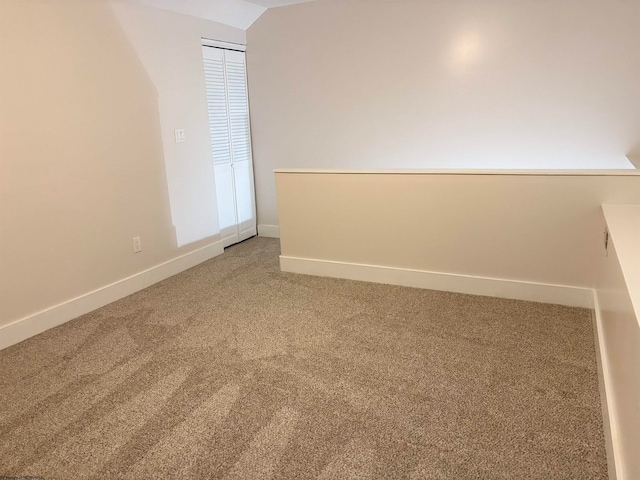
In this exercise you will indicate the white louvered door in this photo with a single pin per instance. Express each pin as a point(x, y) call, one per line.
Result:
point(228, 104)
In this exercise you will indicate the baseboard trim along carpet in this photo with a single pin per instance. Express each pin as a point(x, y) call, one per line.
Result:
point(39, 322)
point(492, 287)
point(609, 414)
point(269, 231)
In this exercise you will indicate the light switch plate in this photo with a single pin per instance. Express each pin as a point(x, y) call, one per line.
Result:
point(179, 135)
point(137, 244)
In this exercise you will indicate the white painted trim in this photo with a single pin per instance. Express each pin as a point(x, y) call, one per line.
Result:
point(39, 322)
point(623, 225)
point(493, 287)
point(269, 231)
point(630, 172)
point(239, 47)
point(609, 414)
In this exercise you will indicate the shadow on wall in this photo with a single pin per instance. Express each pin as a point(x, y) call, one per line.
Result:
point(169, 48)
point(634, 156)
point(82, 161)
point(148, 186)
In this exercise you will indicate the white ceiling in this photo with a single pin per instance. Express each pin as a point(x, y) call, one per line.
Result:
point(277, 3)
point(237, 13)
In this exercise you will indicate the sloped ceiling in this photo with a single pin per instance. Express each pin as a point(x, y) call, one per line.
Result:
point(277, 3)
point(236, 13)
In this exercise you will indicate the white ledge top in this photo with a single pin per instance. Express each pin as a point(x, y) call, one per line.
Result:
point(564, 173)
point(623, 222)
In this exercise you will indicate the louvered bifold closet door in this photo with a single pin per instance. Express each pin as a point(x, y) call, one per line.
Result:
point(238, 103)
point(227, 99)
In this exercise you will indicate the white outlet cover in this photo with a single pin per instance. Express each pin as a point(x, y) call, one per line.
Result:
point(179, 133)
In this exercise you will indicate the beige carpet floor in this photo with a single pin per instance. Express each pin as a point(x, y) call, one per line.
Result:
point(235, 370)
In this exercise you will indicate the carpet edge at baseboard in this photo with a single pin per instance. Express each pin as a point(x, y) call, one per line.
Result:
point(39, 322)
point(269, 231)
point(493, 287)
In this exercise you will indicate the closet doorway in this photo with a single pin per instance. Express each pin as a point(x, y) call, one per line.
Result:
point(228, 104)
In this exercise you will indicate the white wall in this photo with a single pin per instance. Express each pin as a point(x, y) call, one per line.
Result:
point(619, 331)
point(90, 94)
point(461, 84)
point(169, 47)
point(522, 227)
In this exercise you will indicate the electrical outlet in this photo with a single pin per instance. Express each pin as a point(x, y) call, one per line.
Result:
point(137, 245)
point(179, 133)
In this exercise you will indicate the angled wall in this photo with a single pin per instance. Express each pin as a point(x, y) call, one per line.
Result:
point(90, 95)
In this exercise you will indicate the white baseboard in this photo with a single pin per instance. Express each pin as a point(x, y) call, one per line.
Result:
point(31, 325)
point(609, 415)
point(269, 231)
point(493, 287)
